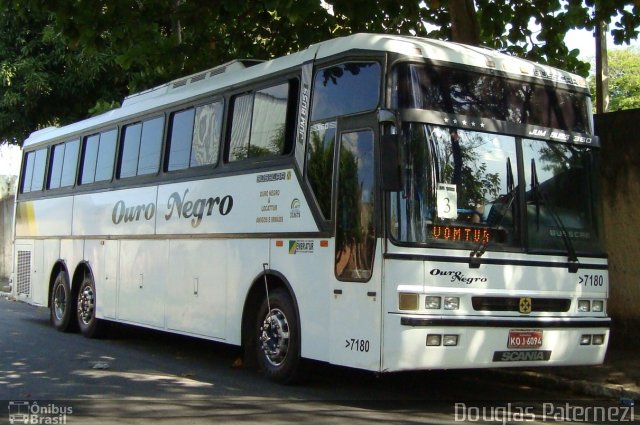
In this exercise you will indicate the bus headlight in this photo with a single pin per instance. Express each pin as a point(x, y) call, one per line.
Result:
point(597, 339)
point(450, 340)
point(584, 306)
point(597, 306)
point(432, 303)
point(408, 301)
point(434, 340)
point(451, 303)
point(585, 340)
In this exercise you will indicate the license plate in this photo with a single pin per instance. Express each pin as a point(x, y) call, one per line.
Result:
point(525, 338)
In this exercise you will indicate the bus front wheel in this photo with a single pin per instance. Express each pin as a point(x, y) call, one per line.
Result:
point(278, 339)
point(61, 303)
point(90, 325)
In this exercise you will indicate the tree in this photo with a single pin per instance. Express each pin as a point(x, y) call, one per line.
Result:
point(624, 79)
point(61, 60)
point(42, 81)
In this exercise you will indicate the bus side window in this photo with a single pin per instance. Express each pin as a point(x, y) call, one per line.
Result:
point(341, 89)
point(194, 137)
point(141, 147)
point(98, 155)
point(35, 164)
point(64, 164)
point(259, 123)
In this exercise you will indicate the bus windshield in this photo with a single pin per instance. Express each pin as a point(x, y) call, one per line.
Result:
point(464, 187)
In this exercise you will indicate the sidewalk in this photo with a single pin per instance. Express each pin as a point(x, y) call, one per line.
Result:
point(618, 378)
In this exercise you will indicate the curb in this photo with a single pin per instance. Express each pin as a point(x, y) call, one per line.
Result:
point(578, 386)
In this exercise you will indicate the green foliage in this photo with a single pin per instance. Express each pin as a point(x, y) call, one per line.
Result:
point(62, 60)
point(42, 81)
point(624, 79)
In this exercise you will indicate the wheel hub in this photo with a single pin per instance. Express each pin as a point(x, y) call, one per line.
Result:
point(275, 337)
point(86, 304)
point(59, 302)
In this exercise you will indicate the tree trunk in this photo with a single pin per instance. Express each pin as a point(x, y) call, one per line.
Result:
point(602, 69)
point(464, 22)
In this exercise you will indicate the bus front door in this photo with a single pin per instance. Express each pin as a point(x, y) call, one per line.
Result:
point(356, 298)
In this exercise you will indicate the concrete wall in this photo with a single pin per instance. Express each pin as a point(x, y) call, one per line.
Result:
point(7, 193)
point(621, 196)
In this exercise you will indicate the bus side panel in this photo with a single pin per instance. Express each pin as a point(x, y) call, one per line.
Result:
point(44, 217)
point(72, 253)
point(355, 317)
point(50, 255)
point(244, 258)
point(143, 274)
point(196, 293)
point(103, 258)
point(123, 212)
point(308, 267)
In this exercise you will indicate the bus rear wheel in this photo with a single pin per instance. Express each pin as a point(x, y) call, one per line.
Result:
point(90, 325)
point(61, 303)
point(278, 338)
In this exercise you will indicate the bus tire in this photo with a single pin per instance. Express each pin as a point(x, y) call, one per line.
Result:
point(278, 338)
point(61, 305)
point(90, 326)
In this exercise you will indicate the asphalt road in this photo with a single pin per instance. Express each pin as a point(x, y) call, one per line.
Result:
point(141, 376)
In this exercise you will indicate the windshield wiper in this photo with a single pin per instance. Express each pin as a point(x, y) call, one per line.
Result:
point(480, 249)
point(507, 199)
point(574, 264)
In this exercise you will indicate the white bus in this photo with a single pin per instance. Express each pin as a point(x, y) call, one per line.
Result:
point(380, 202)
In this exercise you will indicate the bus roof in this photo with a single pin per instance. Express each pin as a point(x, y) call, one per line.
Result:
point(238, 71)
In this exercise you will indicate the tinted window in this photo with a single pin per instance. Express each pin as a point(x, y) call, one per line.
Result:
point(240, 127)
point(259, 123)
point(28, 172)
point(345, 89)
point(141, 148)
point(561, 196)
point(64, 161)
point(206, 135)
point(150, 146)
point(99, 154)
point(91, 145)
point(35, 164)
point(268, 122)
point(37, 182)
point(106, 155)
point(355, 236)
point(70, 163)
point(322, 139)
point(57, 157)
point(195, 137)
point(130, 150)
point(488, 96)
point(180, 140)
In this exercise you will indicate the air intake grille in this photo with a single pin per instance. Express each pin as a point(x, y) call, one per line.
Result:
point(24, 273)
point(550, 305)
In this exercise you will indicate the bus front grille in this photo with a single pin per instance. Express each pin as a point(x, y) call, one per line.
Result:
point(538, 305)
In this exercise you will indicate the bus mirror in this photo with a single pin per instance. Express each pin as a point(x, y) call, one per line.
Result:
point(390, 158)
point(385, 116)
